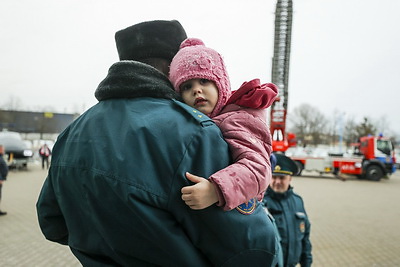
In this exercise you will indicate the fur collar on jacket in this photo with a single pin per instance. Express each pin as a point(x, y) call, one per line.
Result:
point(131, 79)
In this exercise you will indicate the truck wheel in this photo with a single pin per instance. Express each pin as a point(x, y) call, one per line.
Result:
point(374, 173)
point(300, 167)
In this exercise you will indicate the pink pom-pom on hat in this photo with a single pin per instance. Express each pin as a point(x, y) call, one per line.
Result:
point(191, 42)
point(196, 61)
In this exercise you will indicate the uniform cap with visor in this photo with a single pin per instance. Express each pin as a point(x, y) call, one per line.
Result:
point(284, 166)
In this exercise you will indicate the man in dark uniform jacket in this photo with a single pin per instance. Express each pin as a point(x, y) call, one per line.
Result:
point(3, 173)
point(290, 216)
point(112, 193)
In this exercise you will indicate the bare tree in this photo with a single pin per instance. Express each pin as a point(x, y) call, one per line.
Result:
point(312, 127)
point(365, 128)
point(336, 127)
point(309, 124)
point(350, 134)
point(383, 127)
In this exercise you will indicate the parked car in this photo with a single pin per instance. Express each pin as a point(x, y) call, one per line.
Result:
point(17, 153)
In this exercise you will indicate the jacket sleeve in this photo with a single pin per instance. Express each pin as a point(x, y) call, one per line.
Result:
point(306, 256)
point(249, 140)
point(51, 220)
point(253, 94)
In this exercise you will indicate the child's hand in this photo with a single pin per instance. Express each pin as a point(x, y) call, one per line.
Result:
point(201, 195)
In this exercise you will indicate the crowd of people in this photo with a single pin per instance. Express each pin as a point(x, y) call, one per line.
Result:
point(172, 167)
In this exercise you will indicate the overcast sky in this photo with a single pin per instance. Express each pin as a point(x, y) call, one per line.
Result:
point(345, 53)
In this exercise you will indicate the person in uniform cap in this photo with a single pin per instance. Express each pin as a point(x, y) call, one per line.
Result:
point(112, 193)
point(289, 213)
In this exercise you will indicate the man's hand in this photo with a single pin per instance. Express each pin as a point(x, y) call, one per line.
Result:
point(201, 195)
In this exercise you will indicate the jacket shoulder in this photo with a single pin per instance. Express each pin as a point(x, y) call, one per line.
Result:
point(298, 199)
point(297, 196)
point(201, 118)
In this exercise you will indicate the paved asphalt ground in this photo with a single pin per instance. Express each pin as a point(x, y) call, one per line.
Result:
point(353, 223)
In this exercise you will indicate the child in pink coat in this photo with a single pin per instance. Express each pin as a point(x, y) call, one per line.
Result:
point(199, 74)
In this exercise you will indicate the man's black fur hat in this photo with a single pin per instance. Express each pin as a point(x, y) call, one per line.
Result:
point(150, 39)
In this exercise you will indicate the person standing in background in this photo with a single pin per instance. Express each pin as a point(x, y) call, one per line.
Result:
point(45, 153)
point(3, 173)
point(289, 213)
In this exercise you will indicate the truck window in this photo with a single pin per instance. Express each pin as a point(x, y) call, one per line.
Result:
point(384, 146)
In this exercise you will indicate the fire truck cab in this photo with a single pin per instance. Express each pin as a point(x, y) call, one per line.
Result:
point(378, 157)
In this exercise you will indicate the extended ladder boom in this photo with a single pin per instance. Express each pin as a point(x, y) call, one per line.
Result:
point(280, 73)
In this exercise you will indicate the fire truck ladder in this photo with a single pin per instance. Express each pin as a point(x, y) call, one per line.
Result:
point(280, 68)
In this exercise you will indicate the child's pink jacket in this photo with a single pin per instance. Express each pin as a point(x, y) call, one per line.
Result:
point(244, 126)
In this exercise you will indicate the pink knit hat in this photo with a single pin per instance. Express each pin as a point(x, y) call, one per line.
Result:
point(196, 61)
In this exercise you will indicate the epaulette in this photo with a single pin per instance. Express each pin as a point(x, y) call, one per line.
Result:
point(204, 120)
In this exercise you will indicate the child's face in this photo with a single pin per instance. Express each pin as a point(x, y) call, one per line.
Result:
point(201, 94)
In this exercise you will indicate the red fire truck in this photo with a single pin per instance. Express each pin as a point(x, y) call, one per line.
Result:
point(372, 158)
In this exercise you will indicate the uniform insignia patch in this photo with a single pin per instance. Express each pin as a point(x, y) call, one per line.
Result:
point(247, 207)
point(302, 227)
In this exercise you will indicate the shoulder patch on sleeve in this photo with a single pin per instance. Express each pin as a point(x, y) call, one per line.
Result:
point(248, 207)
point(197, 115)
